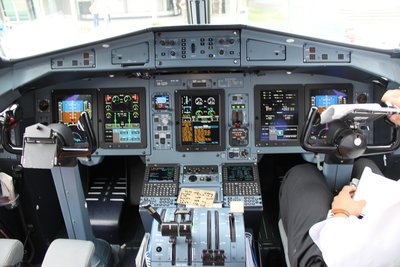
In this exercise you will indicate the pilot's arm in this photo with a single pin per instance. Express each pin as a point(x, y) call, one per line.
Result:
point(346, 240)
point(392, 98)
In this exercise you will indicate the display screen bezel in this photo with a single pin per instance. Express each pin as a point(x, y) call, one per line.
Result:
point(258, 89)
point(61, 94)
point(143, 121)
point(178, 111)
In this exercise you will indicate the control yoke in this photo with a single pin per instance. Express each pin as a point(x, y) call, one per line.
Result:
point(346, 139)
point(54, 142)
point(8, 120)
point(53, 147)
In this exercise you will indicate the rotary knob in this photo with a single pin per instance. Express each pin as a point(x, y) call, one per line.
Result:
point(44, 105)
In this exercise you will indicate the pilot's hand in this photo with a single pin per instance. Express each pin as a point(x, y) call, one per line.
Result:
point(392, 97)
point(343, 205)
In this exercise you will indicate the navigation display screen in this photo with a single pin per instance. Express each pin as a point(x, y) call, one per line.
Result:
point(277, 113)
point(69, 109)
point(200, 120)
point(322, 98)
point(161, 174)
point(240, 173)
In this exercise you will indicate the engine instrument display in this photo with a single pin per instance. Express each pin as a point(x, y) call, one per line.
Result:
point(200, 118)
point(278, 114)
point(124, 118)
point(69, 109)
point(323, 96)
point(122, 114)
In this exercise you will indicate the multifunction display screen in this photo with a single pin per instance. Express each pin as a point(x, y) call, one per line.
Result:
point(240, 173)
point(69, 109)
point(324, 97)
point(122, 118)
point(200, 120)
point(161, 174)
point(279, 116)
point(161, 102)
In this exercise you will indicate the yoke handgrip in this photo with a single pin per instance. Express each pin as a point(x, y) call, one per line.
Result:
point(7, 144)
point(312, 119)
point(306, 132)
point(84, 122)
point(9, 119)
point(393, 145)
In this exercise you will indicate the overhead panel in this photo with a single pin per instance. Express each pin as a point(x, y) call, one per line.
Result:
point(197, 49)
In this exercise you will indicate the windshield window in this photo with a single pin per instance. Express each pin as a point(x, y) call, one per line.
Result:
point(30, 27)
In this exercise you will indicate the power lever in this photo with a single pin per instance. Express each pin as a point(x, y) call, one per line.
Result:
point(146, 205)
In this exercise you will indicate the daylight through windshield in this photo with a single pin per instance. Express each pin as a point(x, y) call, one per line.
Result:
point(30, 27)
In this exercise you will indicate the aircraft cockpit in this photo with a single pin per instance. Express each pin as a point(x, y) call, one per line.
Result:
point(167, 145)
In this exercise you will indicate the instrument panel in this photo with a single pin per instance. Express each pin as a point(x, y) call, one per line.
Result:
point(204, 95)
point(179, 117)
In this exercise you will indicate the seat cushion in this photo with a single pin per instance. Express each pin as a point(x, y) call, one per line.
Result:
point(11, 252)
point(69, 252)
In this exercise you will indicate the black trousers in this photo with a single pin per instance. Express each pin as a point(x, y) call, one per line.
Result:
point(305, 199)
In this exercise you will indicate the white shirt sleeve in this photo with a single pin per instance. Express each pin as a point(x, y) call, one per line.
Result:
point(372, 241)
point(335, 239)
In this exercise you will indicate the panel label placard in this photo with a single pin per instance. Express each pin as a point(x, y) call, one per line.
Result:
point(196, 197)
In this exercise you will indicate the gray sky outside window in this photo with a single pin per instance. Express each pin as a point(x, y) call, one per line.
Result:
point(33, 27)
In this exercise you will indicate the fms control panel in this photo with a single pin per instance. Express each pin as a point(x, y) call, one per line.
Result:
point(241, 182)
point(160, 186)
